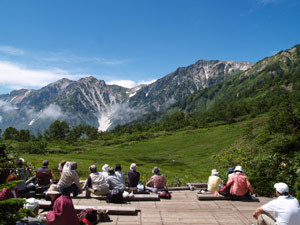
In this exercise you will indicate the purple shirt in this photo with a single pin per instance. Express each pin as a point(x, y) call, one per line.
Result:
point(133, 178)
point(63, 212)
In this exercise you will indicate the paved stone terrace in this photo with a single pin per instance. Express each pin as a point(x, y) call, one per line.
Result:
point(183, 208)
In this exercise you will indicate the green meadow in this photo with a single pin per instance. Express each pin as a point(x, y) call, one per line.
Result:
point(183, 156)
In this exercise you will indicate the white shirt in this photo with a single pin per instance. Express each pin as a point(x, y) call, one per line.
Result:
point(121, 175)
point(286, 209)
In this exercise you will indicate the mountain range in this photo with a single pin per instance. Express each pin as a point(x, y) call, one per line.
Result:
point(89, 101)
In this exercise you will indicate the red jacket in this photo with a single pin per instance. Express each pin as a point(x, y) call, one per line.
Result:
point(63, 212)
point(239, 185)
point(7, 194)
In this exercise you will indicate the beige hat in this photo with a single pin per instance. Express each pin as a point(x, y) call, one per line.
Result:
point(214, 172)
point(281, 188)
point(238, 168)
point(53, 190)
point(105, 167)
point(31, 203)
point(133, 167)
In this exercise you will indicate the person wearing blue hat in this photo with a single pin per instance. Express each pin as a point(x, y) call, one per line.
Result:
point(230, 172)
point(44, 176)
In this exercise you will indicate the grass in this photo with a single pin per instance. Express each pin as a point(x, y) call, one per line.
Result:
point(184, 156)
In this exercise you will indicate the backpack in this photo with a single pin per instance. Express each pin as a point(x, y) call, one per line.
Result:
point(88, 216)
point(165, 195)
point(115, 196)
point(225, 191)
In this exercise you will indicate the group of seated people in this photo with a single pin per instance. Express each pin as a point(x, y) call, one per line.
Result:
point(285, 207)
point(99, 183)
point(237, 183)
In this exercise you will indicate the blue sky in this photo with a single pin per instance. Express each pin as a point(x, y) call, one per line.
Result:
point(128, 42)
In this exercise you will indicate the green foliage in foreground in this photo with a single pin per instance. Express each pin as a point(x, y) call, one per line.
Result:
point(183, 156)
point(269, 151)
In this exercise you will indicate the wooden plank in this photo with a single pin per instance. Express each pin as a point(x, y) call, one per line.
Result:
point(197, 184)
point(178, 188)
point(206, 196)
point(112, 210)
point(136, 197)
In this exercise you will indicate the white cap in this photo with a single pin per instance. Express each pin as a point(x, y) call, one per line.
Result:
point(238, 168)
point(105, 167)
point(31, 203)
point(214, 172)
point(281, 188)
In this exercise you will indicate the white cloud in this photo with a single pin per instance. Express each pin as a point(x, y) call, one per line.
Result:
point(51, 112)
point(11, 50)
point(129, 83)
point(123, 83)
point(16, 76)
point(6, 106)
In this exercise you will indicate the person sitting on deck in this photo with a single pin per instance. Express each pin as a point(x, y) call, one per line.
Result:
point(44, 176)
point(214, 182)
point(63, 211)
point(157, 182)
point(239, 184)
point(10, 193)
point(114, 181)
point(285, 207)
point(230, 172)
point(97, 182)
point(32, 204)
point(133, 176)
point(105, 170)
point(23, 172)
point(69, 179)
point(119, 173)
point(61, 166)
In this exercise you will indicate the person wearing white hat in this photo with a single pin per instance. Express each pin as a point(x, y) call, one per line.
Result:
point(285, 207)
point(214, 182)
point(32, 204)
point(239, 184)
point(105, 170)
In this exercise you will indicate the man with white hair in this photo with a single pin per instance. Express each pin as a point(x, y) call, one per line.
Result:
point(97, 182)
point(285, 207)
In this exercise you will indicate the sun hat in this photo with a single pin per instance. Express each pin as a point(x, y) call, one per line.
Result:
point(214, 172)
point(230, 170)
point(53, 190)
point(238, 168)
point(155, 170)
point(105, 167)
point(281, 188)
point(45, 163)
point(31, 203)
point(133, 167)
